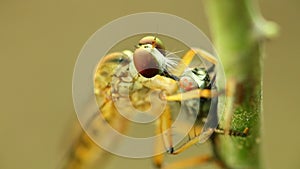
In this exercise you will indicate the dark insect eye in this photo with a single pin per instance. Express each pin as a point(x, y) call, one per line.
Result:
point(145, 63)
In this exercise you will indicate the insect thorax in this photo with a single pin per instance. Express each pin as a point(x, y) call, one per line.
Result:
point(126, 86)
point(196, 78)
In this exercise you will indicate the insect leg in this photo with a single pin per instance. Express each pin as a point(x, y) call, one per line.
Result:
point(196, 140)
point(185, 146)
point(159, 146)
point(207, 56)
point(165, 125)
point(188, 57)
point(196, 93)
point(232, 132)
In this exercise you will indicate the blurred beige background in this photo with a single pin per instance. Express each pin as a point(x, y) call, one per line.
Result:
point(39, 43)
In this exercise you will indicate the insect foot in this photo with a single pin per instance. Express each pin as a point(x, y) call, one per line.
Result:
point(170, 150)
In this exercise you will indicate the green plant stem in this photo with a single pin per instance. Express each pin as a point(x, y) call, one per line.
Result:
point(239, 32)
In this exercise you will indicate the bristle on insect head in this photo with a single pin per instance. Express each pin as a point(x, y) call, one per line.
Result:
point(154, 41)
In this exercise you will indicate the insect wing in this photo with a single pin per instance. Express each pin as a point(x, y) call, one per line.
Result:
point(97, 119)
point(109, 118)
point(200, 79)
point(217, 86)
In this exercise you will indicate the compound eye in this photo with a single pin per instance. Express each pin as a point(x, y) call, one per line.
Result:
point(145, 63)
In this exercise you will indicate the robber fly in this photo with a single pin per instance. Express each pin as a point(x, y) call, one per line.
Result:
point(135, 75)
